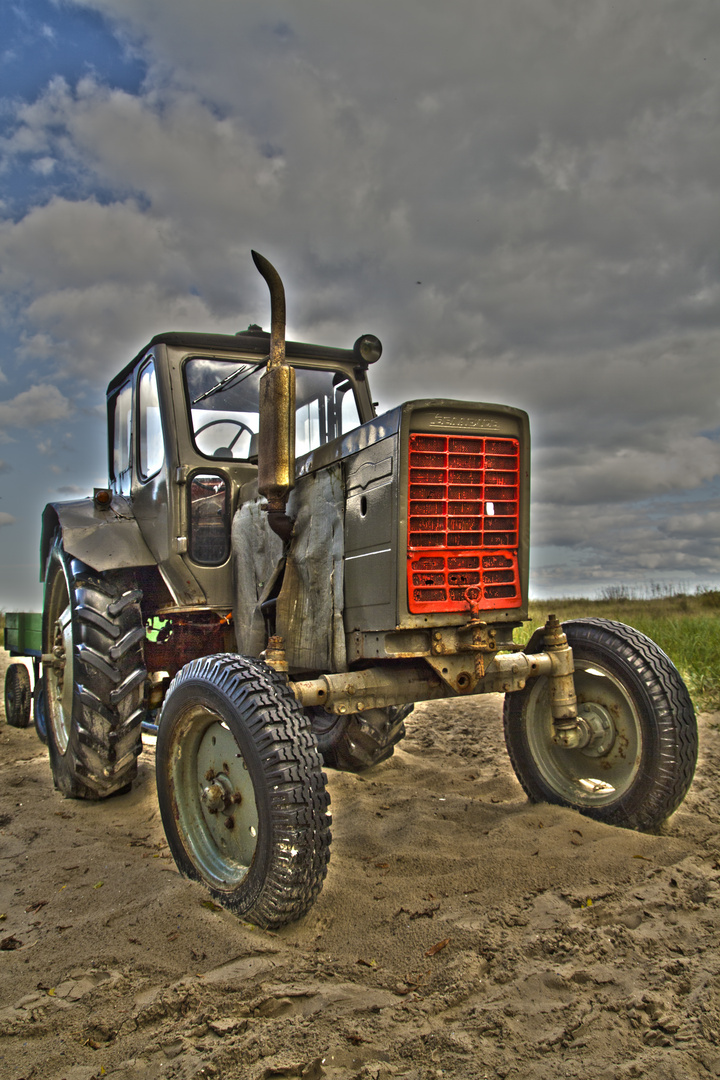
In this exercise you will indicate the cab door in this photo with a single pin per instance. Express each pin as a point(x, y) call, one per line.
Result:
point(150, 466)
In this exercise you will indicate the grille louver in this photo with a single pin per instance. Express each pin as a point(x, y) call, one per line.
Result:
point(463, 522)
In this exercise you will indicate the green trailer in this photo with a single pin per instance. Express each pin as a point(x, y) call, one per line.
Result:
point(24, 701)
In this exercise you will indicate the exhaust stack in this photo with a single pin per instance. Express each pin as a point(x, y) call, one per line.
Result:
point(276, 443)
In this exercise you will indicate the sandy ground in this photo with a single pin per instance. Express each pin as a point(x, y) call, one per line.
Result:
point(461, 933)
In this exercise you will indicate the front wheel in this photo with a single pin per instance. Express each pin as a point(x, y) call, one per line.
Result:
point(241, 789)
point(639, 762)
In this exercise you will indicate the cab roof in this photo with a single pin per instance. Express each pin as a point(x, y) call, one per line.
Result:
point(254, 340)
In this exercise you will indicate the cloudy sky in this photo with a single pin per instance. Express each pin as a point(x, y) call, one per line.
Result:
point(521, 199)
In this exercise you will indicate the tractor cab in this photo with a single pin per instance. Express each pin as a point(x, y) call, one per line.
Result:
point(183, 427)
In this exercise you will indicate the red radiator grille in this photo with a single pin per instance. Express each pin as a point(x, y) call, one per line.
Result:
point(463, 522)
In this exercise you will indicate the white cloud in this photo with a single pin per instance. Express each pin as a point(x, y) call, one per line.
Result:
point(73, 244)
point(44, 165)
point(6, 519)
point(39, 405)
point(98, 329)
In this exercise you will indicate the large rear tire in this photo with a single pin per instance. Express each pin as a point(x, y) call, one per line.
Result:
point(94, 690)
point(18, 699)
point(241, 789)
point(639, 763)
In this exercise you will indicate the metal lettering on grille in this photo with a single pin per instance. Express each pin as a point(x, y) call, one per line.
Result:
point(463, 522)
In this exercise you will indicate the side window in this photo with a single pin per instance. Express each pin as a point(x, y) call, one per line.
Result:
point(122, 431)
point(326, 409)
point(209, 519)
point(152, 452)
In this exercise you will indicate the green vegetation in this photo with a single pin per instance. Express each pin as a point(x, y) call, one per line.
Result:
point(685, 626)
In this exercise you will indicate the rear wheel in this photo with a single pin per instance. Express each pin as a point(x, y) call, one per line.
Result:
point(18, 698)
point(639, 760)
point(93, 690)
point(241, 789)
point(353, 743)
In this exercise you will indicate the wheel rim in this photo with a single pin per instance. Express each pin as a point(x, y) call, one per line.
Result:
point(213, 797)
point(601, 772)
point(60, 674)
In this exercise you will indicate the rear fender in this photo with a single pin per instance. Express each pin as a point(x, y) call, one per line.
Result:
point(103, 539)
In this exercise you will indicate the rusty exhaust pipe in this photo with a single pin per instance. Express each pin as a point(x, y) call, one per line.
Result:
point(276, 443)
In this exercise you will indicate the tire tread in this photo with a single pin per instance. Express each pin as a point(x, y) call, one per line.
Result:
point(108, 632)
point(666, 698)
point(293, 778)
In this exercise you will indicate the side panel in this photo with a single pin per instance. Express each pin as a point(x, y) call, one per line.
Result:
point(371, 484)
point(376, 468)
point(23, 632)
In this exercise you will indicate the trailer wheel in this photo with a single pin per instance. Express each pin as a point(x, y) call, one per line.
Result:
point(17, 696)
point(241, 789)
point(358, 741)
point(639, 763)
point(39, 714)
point(93, 691)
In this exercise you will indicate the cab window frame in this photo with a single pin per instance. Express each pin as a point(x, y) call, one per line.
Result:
point(332, 406)
point(142, 434)
point(121, 479)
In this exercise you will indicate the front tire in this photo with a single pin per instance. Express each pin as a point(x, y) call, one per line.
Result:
point(241, 789)
point(639, 764)
point(94, 689)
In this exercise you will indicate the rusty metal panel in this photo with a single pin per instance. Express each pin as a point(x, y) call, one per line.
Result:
point(310, 604)
point(257, 559)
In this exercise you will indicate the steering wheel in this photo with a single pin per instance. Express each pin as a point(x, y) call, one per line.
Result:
point(236, 423)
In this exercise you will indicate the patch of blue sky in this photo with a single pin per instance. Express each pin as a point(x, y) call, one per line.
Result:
point(26, 184)
point(660, 505)
point(40, 40)
point(32, 181)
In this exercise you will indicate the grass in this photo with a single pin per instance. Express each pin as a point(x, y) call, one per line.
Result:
point(685, 626)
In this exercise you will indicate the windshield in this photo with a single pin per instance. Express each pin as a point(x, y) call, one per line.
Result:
point(223, 399)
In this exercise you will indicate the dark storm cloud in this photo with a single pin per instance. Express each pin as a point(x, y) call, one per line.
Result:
point(521, 199)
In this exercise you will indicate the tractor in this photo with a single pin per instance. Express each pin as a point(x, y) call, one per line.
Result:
point(275, 574)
